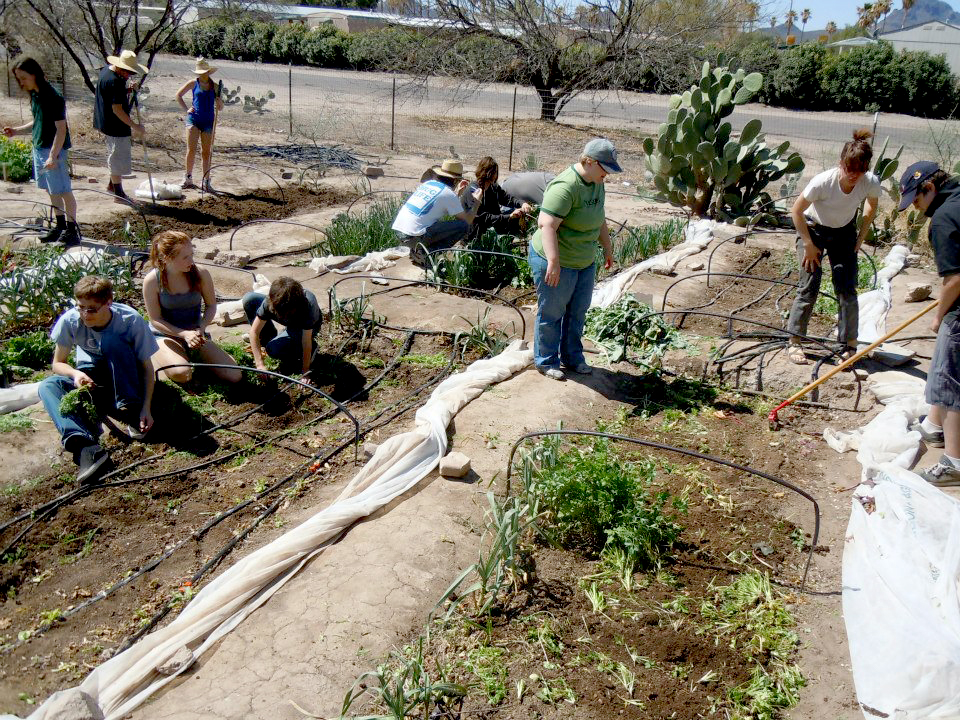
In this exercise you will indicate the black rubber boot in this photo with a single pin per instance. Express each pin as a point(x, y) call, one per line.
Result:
point(71, 235)
point(54, 233)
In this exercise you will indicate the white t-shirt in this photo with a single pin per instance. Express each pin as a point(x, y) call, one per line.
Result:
point(832, 207)
point(429, 202)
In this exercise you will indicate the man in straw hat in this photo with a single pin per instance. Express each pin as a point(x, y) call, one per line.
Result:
point(200, 121)
point(111, 116)
point(418, 224)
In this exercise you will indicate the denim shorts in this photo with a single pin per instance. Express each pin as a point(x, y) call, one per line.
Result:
point(943, 378)
point(55, 181)
point(203, 127)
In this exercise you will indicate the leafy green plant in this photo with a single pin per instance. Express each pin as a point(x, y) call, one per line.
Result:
point(16, 164)
point(591, 499)
point(489, 665)
point(478, 270)
point(360, 234)
point(630, 324)
point(78, 400)
point(21, 355)
point(483, 336)
point(698, 164)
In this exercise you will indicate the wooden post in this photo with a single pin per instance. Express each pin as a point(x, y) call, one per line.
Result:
point(513, 122)
point(63, 78)
point(290, 96)
point(393, 111)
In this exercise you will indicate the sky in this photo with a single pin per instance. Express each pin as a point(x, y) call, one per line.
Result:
point(842, 12)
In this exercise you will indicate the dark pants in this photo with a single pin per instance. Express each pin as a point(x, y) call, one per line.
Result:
point(441, 235)
point(282, 346)
point(838, 244)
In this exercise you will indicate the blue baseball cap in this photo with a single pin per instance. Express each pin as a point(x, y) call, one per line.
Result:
point(913, 179)
point(604, 153)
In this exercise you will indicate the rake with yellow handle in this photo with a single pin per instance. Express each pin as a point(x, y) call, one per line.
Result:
point(772, 418)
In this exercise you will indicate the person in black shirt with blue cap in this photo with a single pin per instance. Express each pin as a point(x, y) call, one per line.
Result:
point(937, 194)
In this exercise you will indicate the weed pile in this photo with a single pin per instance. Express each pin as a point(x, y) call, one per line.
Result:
point(631, 325)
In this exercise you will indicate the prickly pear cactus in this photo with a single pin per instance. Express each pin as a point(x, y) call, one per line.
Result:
point(698, 161)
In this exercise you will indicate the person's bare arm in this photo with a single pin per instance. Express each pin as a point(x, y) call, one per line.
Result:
point(209, 299)
point(949, 292)
point(60, 366)
point(181, 92)
point(306, 341)
point(869, 213)
point(57, 145)
point(255, 329)
point(149, 381)
point(606, 245)
point(126, 119)
point(548, 225)
point(17, 130)
point(811, 255)
point(151, 299)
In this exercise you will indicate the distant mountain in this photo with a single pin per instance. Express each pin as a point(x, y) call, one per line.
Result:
point(921, 12)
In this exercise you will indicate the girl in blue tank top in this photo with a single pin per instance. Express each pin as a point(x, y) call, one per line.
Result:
point(200, 120)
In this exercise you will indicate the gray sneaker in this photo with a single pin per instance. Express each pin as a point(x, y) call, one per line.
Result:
point(580, 368)
point(553, 373)
point(932, 439)
point(942, 474)
point(92, 462)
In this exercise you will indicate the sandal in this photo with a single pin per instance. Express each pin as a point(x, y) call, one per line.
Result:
point(796, 355)
point(848, 352)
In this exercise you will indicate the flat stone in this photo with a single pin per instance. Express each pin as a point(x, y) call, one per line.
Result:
point(180, 660)
point(860, 374)
point(207, 254)
point(233, 258)
point(891, 355)
point(286, 175)
point(230, 318)
point(695, 266)
point(918, 291)
point(72, 704)
point(369, 448)
point(372, 171)
point(455, 465)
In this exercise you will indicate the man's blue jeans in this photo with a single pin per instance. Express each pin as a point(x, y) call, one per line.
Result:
point(118, 392)
point(561, 312)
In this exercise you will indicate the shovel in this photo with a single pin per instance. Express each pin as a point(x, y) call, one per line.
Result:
point(772, 418)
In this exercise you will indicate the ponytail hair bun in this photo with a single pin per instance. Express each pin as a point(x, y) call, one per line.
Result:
point(857, 153)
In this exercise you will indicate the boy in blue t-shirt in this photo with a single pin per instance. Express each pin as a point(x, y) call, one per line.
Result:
point(114, 345)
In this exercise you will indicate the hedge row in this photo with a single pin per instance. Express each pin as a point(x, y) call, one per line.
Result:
point(868, 78)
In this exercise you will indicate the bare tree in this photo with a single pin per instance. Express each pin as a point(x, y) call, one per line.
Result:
point(87, 31)
point(563, 50)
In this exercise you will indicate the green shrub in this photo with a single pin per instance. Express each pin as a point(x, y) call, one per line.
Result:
point(758, 54)
point(797, 82)
point(929, 87)
point(325, 46)
point(379, 49)
point(247, 39)
point(204, 37)
point(866, 78)
point(594, 499)
point(15, 158)
point(19, 355)
point(286, 45)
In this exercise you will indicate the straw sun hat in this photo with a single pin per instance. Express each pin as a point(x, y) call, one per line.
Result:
point(449, 168)
point(127, 60)
point(202, 67)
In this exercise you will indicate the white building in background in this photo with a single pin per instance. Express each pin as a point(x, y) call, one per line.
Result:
point(935, 37)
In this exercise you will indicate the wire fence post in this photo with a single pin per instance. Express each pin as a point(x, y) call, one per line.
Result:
point(513, 122)
point(63, 78)
point(393, 111)
point(290, 97)
point(6, 62)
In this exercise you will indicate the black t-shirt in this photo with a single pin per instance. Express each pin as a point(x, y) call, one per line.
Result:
point(111, 90)
point(309, 320)
point(47, 107)
point(944, 231)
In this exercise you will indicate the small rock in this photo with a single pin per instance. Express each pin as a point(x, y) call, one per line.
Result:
point(379, 280)
point(912, 260)
point(181, 659)
point(233, 258)
point(696, 266)
point(369, 448)
point(92, 180)
point(72, 704)
point(207, 254)
point(372, 171)
point(860, 374)
point(455, 465)
point(286, 175)
point(764, 549)
point(229, 318)
point(918, 291)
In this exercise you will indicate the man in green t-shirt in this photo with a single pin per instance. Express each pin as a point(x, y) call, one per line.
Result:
point(561, 256)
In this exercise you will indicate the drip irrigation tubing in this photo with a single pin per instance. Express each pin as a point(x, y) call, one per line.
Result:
point(139, 207)
point(332, 293)
point(262, 221)
point(206, 177)
point(350, 171)
point(690, 453)
point(737, 276)
point(371, 193)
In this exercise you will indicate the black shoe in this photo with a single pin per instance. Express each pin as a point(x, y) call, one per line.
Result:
point(54, 233)
point(71, 235)
point(92, 462)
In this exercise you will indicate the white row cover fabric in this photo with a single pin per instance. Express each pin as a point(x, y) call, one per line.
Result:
point(901, 564)
point(370, 262)
point(158, 190)
point(128, 679)
point(699, 234)
point(18, 397)
point(901, 567)
point(875, 304)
